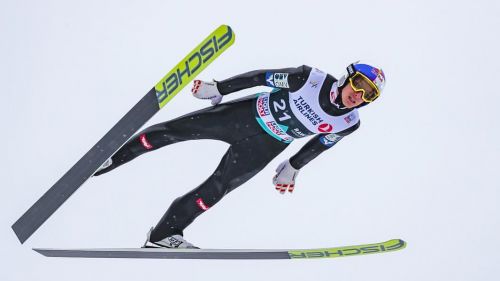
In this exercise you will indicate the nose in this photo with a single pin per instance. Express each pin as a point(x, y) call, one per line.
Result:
point(358, 94)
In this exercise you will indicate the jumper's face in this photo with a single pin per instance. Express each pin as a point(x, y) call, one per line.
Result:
point(351, 98)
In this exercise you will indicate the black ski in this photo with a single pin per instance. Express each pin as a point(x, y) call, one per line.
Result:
point(206, 52)
point(162, 253)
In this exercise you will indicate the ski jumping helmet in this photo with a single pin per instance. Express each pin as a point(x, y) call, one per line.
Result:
point(360, 74)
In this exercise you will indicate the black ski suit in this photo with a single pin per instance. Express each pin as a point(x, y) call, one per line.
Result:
point(251, 148)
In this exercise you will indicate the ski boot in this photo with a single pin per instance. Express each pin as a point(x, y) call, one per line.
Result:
point(172, 242)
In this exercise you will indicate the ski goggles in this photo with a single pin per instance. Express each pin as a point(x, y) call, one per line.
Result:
point(360, 83)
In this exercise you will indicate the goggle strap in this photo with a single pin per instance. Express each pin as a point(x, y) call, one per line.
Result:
point(350, 70)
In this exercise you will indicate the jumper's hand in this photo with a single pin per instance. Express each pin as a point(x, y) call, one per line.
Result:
point(285, 177)
point(206, 90)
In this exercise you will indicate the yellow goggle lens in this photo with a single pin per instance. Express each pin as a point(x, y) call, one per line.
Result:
point(361, 83)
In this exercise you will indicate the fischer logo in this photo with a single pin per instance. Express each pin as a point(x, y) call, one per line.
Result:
point(145, 142)
point(314, 84)
point(325, 128)
point(192, 65)
point(263, 106)
point(348, 251)
point(201, 204)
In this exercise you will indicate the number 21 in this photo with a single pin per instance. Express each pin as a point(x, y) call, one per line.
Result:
point(281, 106)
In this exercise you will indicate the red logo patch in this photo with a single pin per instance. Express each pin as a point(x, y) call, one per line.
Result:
point(145, 142)
point(379, 73)
point(325, 128)
point(201, 204)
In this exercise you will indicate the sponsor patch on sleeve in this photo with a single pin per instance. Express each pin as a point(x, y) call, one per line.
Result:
point(330, 139)
point(278, 80)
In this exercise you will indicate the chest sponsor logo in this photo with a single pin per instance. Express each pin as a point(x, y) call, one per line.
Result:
point(305, 109)
point(325, 128)
point(279, 80)
point(263, 106)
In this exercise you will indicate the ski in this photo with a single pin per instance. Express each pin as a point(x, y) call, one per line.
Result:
point(231, 254)
point(197, 60)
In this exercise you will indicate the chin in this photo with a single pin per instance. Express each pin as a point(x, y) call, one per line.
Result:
point(348, 104)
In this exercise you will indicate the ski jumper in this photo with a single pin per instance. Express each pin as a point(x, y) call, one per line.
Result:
point(304, 101)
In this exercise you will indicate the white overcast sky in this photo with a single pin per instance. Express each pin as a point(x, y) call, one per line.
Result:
point(423, 167)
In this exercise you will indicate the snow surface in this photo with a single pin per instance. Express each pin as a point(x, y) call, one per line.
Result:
point(423, 166)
